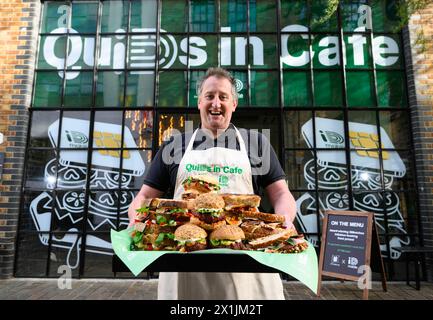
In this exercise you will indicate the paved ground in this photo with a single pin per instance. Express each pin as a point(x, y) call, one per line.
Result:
point(96, 289)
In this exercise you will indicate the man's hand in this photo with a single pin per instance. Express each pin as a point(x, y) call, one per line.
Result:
point(282, 201)
point(146, 192)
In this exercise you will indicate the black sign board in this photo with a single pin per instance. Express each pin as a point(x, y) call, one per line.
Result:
point(346, 243)
point(345, 253)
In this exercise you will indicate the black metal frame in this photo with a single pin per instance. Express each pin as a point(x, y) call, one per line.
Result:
point(279, 110)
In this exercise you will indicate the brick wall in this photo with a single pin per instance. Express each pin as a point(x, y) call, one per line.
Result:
point(420, 82)
point(18, 33)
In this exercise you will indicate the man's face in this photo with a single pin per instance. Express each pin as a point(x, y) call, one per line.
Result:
point(216, 104)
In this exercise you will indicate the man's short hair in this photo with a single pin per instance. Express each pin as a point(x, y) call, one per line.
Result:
point(219, 73)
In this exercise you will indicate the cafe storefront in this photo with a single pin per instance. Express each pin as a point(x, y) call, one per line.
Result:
point(114, 79)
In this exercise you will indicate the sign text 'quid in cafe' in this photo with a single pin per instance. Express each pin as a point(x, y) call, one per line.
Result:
point(142, 51)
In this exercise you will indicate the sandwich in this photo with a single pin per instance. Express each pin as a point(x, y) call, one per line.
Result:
point(198, 184)
point(146, 207)
point(143, 235)
point(235, 205)
point(208, 211)
point(296, 244)
point(169, 212)
point(260, 224)
point(156, 222)
point(227, 236)
point(190, 237)
point(238, 203)
point(271, 241)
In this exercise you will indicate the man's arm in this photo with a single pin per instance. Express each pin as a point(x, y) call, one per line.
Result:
point(282, 201)
point(145, 193)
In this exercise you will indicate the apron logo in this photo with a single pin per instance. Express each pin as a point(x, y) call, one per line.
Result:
point(223, 181)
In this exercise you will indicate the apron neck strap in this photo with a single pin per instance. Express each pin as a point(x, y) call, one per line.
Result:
point(238, 135)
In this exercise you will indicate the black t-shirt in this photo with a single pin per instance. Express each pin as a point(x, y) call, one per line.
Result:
point(265, 166)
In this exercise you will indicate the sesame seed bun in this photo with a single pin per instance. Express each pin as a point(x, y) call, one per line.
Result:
point(189, 231)
point(227, 232)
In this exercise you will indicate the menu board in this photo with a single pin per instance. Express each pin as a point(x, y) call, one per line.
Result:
point(346, 244)
point(347, 241)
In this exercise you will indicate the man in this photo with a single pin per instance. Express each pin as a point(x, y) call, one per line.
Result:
point(217, 100)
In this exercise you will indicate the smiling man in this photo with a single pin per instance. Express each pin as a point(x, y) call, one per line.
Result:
point(217, 143)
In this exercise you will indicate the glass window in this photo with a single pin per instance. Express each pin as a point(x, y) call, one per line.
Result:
point(391, 89)
point(114, 16)
point(81, 52)
point(43, 123)
point(241, 80)
point(104, 206)
point(84, 17)
point(56, 14)
point(75, 130)
point(139, 124)
point(299, 168)
point(295, 52)
point(329, 127)
point(65, 251)
point(263, 51)
point(396, 125)
point(326, 48)
point(333, 200)
point(331, 171)
point(262, 16)
point(294, 12)
point(32, 255)
point(360, 95)
point(385, 16)
point(234, 15)
point(203, 52)
point(37, 209)
point(169, 124)
point(366, 170)
point(202, 16)
point(69, 208)
point(297, 88)
point(194, 78)
point(36, 175)
point(264, 121)
point(106, 164)
point(53, 54)
point(387, 52)
point(298, 129)
point(79, 89)
point(398, 170)
point(358, 51)
point(363, 121)
point(140, 89)
point(328, 88)
point(264, 88)
point(174, 15)
point(96, 264)
point(172, 89)
point(110, 89)
point(142, 51)
point(143, 16)
point(135, 165)
point(324, 15)
point(47, 90)
point(112, 52)
point(355, 15)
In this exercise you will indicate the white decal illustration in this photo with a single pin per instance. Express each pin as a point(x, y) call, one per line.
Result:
point(365, 170)
point(64, 214)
